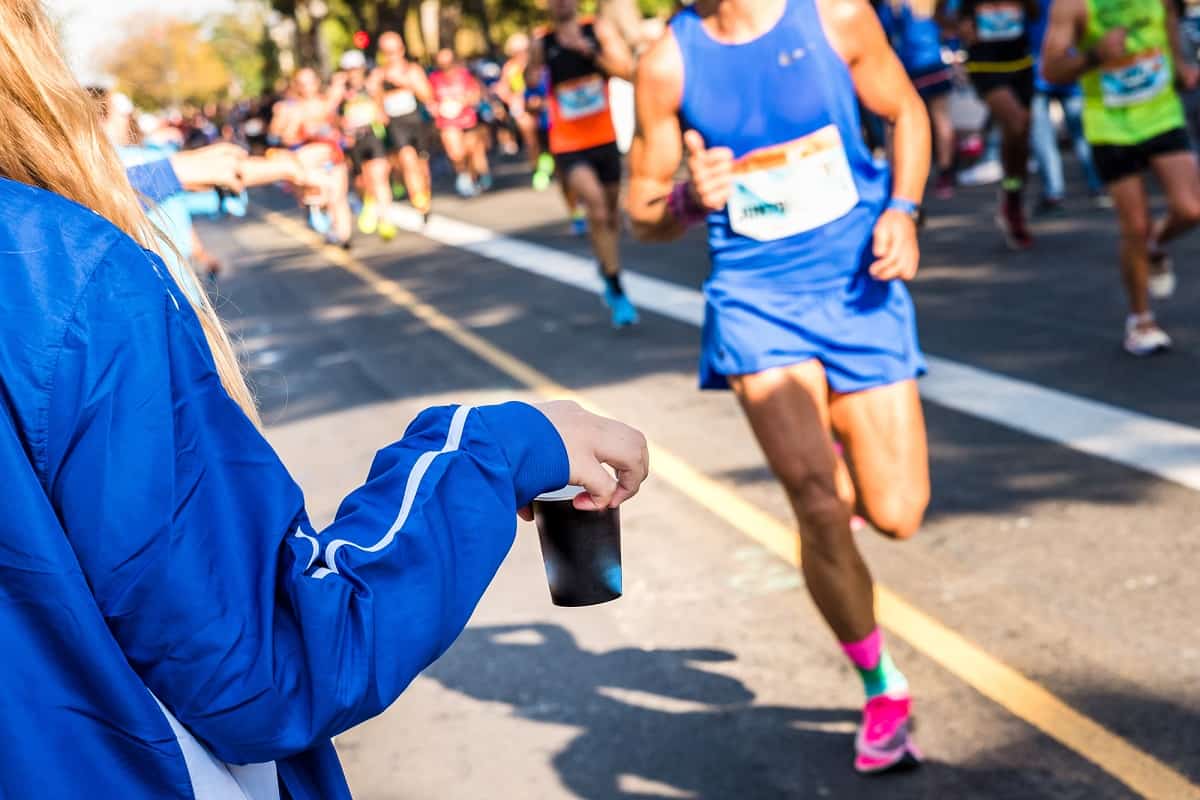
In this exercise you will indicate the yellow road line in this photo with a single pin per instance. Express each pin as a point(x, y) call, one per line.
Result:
point(985, 673)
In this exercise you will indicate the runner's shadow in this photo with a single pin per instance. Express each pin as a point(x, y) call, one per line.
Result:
point(661, 723)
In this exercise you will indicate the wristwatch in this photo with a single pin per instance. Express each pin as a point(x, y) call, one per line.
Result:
point(913, 210)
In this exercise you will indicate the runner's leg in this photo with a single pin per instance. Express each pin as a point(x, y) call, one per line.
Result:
point(789, 413)
point(584, 184)
point(416, 179)
point(883, 433)
point(1179, 177)
point(1133, 219)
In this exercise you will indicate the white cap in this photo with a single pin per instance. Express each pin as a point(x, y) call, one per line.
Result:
point(353, 59)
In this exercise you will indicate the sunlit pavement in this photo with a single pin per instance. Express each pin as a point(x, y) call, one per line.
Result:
point(713, 677)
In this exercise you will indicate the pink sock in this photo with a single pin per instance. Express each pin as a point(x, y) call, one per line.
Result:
point(865, 654)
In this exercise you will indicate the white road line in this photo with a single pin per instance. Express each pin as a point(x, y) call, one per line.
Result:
point(1168, 450)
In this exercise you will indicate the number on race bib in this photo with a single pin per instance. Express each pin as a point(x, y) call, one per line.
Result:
point(792, 188)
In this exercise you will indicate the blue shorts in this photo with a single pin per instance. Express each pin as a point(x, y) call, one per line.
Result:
point(863, 332)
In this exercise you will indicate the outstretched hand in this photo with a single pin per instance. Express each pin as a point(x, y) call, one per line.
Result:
point(592, 442)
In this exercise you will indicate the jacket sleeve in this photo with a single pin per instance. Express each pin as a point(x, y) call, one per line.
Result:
point(261, 635)
point(154, 180)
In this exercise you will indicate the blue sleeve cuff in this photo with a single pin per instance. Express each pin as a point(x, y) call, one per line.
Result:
point(534, 450)
point(154, 180)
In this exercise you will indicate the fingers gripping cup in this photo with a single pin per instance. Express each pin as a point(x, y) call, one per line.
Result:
point(581, 549)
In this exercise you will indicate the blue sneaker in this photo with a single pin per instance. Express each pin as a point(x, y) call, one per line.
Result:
point(465, 186)
point(318, 220)
point(623, 312)
point(485, 181)
point(579, 224)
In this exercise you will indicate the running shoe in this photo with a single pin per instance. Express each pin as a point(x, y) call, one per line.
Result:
point(1050, 207)
point(1011, 221)
point(544, 172)
point(623, 312)
point(318, 220)
point(398, 191)
point(1162, 274)
point(1100, 199)
point(485, 182)
point(387, 230)
point(884, 741)
point(368, 220)
point(1143, 337)
point(579, 223)
point(465, 186)
point(943, 185)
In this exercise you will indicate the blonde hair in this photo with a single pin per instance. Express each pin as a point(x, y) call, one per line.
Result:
point(51, 137)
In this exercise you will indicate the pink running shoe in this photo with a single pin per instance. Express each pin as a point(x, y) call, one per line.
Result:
point(883, 741)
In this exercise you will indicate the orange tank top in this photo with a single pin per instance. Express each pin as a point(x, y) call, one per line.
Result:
point(580, 117)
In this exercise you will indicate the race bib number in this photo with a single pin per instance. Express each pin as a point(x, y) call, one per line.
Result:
point(791, 188)
point(450, 109)
point(581, 97)
point(1136, 80)
point(999, 22)
point(399, 104)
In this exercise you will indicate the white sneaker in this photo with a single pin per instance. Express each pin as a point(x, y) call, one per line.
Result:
point(1142, 339)
point(1162, 276)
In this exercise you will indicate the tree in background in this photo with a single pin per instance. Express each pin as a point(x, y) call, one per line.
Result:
point(164, 62)
point(240, 40)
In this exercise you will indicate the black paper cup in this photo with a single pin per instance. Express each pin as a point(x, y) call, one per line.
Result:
point(581, 549)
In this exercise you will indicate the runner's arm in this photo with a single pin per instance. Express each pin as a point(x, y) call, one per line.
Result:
point(615, 57)
point(533, 70)
point(1185, 71)
point(1062, 62)
point(421, 87)
point(884, 88)
point(657, 142)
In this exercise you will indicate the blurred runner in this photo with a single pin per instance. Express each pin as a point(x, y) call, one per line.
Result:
point(363, 123)
point(403, 88)
point(917, 39)
point(306, 124)
point(510, 90)
point(808, 319)
point(456, 96)
point(1127, 59)
point(1044, 137)
point(579, 57)
point(1000, 63)
point(1188, 12)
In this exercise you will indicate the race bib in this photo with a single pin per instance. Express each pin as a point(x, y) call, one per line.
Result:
point(791, 188)
point(1137, 79)
point(1190, 23)
point(450, 109)
point(399, 104)
point(581, 97)
point(999, 22)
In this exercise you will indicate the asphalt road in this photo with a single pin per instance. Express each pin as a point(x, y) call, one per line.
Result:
point(713, 677)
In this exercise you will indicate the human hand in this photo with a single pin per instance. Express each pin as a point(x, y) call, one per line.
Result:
point(208, 167)
point(711, 171)
point(593, 441)
point(1188, 75)
point(894, 245)
point(1111, 46)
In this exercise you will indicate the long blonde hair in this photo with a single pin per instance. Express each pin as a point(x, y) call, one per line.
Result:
point(50, 137)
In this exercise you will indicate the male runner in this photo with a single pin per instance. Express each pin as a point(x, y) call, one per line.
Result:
point(402, 87)
point(1000, 63)
point(1126, 57)
point(808, 319)
point(363, 123)
point(580, 56)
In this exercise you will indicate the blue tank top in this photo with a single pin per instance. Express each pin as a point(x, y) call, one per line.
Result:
point(806, 192)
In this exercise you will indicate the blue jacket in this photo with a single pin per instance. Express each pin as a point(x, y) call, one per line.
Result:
point(173, 625)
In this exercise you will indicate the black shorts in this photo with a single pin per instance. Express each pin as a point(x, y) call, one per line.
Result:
point(407, 131)
point(933, 82)
point(1116, 161)
point(367, 147)
point(604, 160)
point(1021, 84)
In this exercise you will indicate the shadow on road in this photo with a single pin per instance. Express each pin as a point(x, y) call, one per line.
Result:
point(660, 723)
